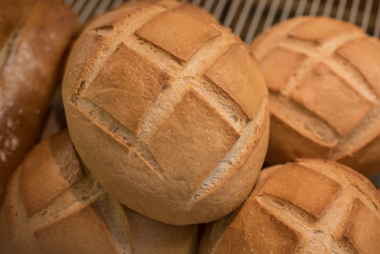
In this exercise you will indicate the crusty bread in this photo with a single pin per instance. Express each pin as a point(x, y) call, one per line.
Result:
point(169, 112)
point(324, 88)
point(29, 61)
point(53, 205)
point(170, 4)
point(12, 14)
point(312, 206)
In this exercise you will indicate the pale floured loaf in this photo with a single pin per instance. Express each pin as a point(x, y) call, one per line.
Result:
point(312, 206)
point(168, 110)
point(34, 36)
point(324, 86)
point(53, 205)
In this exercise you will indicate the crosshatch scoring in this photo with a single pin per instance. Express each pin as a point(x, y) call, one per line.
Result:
point(331, 97)
point(187, 101)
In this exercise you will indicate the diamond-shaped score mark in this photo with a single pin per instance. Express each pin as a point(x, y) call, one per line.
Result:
point(262, 230)
point(363, 229)
point(177, 32)
point(365, 56)
point(192, 142)
point(79, 228)
point(285, 62)
point(329, 96)
point(304, 187)
point(239, 76)
point(51, 174)
point(126, 86)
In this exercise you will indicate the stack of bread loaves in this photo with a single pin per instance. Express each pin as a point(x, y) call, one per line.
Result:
point(34, 36)
point(169, 111)
point(168, 127)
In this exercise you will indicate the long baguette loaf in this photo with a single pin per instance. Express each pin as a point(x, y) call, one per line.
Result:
point(54, 206)
point(168, 110)
point(29, 64)
point(12, 14)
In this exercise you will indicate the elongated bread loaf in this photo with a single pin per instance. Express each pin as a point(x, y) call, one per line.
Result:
point(312, 206)
point(324, 87)
point(12, 14)
point(53, 205)
point(168, 110)
point(34, 36)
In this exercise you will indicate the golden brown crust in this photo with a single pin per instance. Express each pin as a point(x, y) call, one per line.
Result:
point(282, 238)
point(183, 6)
point(363, 158)
point(126, 84)
point(324, 92)
point(305, 188)
point(278, 216)
point(12, 13)
point(51, 175)
point(145, 230)
point(328, 69)
point(195, 124)
point(365, 56)
point(289, 143)
point(236, 68)
point(260, 44)
point(28, 78)
point(285, 61)
point(16, 218)
point(246, 171)
point(190, 31)
point(79, 229)
point(363, 229)
point(84, 53)
point(322, 29)
point(79, 217)
point(176, 124)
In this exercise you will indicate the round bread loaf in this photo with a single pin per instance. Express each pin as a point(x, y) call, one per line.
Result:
point(53, 205)
point(324, 86)
point(34, 36)
point(312, 206)
point(169, 112)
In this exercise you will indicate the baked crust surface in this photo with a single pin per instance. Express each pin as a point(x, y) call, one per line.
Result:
point(168, 110)
point(324, 86)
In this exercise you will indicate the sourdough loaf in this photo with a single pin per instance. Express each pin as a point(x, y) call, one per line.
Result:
point(168, 110)
point(324, 87)
point(312, 206)
point(54, 205)
point(30, 56)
